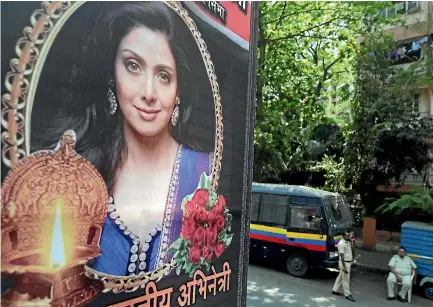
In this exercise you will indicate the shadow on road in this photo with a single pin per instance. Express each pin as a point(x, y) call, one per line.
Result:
point(270, 286)
point(315, 273)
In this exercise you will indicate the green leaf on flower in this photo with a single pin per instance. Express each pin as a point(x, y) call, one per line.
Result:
point(179, 261)
point(202, 184)
point(221, 236)
point(228, 221)
point(185, 257)
point(213, 198)
point(179, 267)
point(228, 240)
point(205, 182)
point(188, 266)
point(208, 182)
point(207, 266)
point(176, 245)
point(172, 250)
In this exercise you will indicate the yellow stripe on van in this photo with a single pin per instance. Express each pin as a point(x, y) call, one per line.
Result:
point(416, 256)
point(301, 235)
point(268, 228)
point(298, 235)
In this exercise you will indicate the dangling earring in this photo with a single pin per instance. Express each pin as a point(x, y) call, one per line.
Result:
point(175, 115)
point(111, 98)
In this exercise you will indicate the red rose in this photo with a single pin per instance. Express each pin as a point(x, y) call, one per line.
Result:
point(199, 237)
point(219, 249)
point(207, 253)
point(188, 228)
point(221, 204)
point(201, 197)
point(194, 254)
point(220, 222)
point(190, 208)
point(211, 236)
point(211, 217)
point(200, 215)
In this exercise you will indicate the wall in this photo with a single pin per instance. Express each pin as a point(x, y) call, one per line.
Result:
point(416, 24)
point(425, 100)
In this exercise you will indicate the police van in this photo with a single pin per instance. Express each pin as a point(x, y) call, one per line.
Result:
point(298, 226)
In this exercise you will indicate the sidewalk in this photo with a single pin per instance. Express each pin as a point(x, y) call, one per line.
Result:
point(372, 261)
point(385, 241)
point(377, 260)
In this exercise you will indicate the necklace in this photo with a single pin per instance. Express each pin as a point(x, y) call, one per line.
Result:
point(139, 249)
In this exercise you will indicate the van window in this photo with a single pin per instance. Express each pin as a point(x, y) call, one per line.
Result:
point(255, 205)
point(338, 213)
point(305, 218)
point(273, 209)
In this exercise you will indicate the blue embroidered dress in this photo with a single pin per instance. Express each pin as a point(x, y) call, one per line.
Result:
point(120, 247)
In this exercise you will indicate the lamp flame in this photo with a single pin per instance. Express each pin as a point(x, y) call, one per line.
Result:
point(57, 256)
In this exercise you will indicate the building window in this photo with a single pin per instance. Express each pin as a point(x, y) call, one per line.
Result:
point(273, 209)
point(409, 52)
point(412, 6)
point(402, 7)
point(399, 7)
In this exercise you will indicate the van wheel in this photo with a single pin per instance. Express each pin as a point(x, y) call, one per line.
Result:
point(428, 291)
point(297, 265)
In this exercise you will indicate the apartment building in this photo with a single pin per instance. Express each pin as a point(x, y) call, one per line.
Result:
point(414, 36)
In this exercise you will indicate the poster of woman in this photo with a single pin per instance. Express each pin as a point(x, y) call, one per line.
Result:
point(149, 104)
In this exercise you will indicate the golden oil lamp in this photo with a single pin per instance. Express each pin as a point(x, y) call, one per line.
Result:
point(54, 205)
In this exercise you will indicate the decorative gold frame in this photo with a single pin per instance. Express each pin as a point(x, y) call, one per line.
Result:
point(21, 83)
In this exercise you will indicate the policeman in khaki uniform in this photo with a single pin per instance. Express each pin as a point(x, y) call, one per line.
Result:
point(401, 270)
point(346, 257)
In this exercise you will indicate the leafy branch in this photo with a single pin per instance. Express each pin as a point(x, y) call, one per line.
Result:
point(416, 200)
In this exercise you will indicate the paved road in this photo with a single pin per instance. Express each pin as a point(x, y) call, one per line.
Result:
point(268, 287)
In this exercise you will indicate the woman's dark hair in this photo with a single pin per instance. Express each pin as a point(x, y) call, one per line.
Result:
point(84, 106)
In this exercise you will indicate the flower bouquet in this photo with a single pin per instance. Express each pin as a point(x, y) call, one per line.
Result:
point(205, 229)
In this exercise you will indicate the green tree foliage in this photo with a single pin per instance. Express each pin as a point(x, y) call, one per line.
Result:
point(305, 54)
point(386, 139)
point(413, 201)
point(334, 173)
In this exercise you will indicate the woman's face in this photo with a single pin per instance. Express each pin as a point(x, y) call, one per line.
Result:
point(146, 81)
